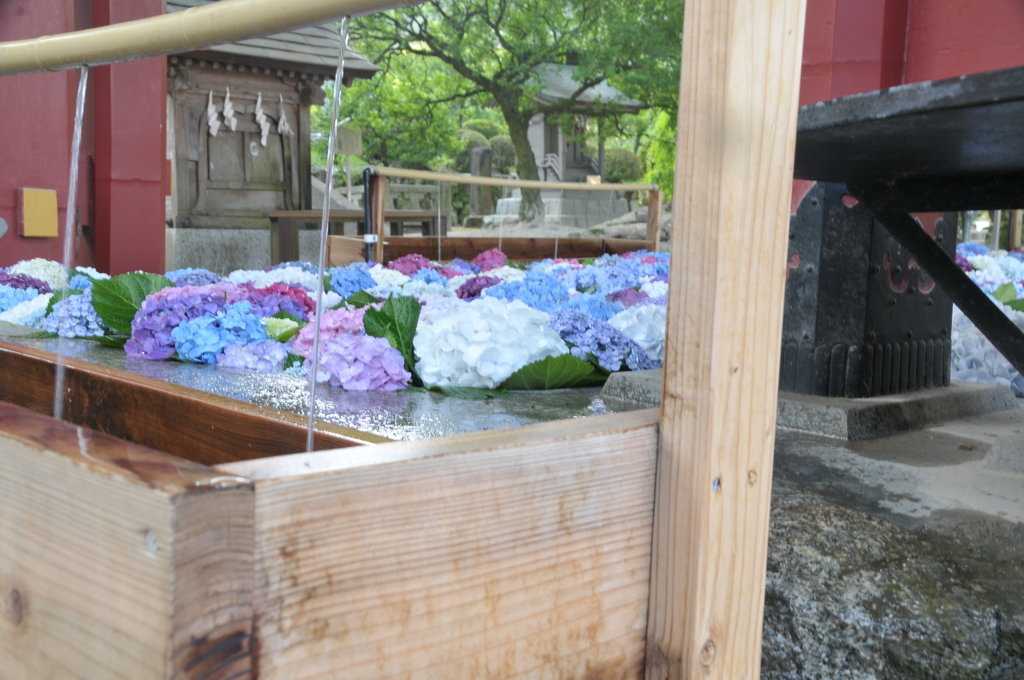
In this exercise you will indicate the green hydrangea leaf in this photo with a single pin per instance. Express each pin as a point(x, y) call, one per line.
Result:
point(116, 300)
point(1005, 293)
point(1016, 305)
point(294, 360)
point(361, 299)
point(281, 329)
point(396, 322)
point(552, 373)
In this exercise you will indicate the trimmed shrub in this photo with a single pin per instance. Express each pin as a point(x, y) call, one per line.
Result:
point(622, 165)
point(470, 139)
point(488, 128)
point(503, 154)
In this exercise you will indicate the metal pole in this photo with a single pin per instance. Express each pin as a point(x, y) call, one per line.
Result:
point(367, 215)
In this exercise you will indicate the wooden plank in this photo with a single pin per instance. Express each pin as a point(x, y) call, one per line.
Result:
point(654, 218)
point(504, 554)
point(734, 170)
point(193, 424)
point(118, 562)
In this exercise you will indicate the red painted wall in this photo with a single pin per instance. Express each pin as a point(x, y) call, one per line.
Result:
point(35, 136)
point(130, 113)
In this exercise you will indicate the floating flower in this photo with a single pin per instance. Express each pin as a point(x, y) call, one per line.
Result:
point(280, 297)
point(472, 288)
point(644, 325)
point(31, 312)
point(192, 277)
point(349, 280)
point(587, 336)
point(335, 322)
point(75, 317)
point(266, 356)
point(482, 343)
point(627, 297)
point(200, 340)
point(162, 311)
point(24, 281)
point(361, 363)
point(410, 264)
point(593, 306)
point(51, 272)
point(11, 297)
point(537, 290)
point(490, 259)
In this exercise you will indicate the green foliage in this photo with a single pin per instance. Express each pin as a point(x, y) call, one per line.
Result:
point(488, 128)
point(503, 154)
point(282, 329)
point(294, 361)
point(469, 140)
point(622, 165)
point(116, 300)
point(1005, 293)
point(396, 322)
point(361, 299)
point(660, 155)
point(552, 373)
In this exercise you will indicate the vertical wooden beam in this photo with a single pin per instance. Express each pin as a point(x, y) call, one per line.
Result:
point(378, 194)
point(1014, 241)
point(654, 218)
point(734, 171)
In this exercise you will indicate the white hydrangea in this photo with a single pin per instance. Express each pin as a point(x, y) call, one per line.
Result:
point(506, 273)
point(655, 288)
point(483, 343)
point(18, 312)
point(331, 299)
point(292, 276)
point(422, 290)
point(644, 325)
point(44, 270)
point(974, 358)
point(988, 279)
point(240, 276)
point(437, 307)
point(92, 273)
point(983, 262)
point(383, 276)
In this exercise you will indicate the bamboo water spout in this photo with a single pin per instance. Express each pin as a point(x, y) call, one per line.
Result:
point(194, 29)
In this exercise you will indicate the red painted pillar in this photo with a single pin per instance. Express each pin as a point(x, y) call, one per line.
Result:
point(130, 141)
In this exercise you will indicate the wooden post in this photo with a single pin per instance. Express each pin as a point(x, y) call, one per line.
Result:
point(734, 172)
point(1014, 241)
point(654, 218)
point(378, 194)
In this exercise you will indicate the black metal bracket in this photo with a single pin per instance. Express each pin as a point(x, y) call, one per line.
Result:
point(965, 294)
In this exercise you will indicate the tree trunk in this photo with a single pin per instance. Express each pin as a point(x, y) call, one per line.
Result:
point(531, 208)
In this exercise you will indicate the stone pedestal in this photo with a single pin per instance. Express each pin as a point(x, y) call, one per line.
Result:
point(861, 318)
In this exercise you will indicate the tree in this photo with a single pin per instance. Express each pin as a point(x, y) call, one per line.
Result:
point(496, 47)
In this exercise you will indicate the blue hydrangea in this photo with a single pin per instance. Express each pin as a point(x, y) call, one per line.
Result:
point(972, 249)
point(80, 282)
point(593, 306)
point(200, 340)
point(537, 290)
point(75, 317)
point(34, 319)
point(349, 280)
point(465, 267)
point(587, 336)
point(307, 267)
point(430, 276)
point(193, 277)
point(10, 296)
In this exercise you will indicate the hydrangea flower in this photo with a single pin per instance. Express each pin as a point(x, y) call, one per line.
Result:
point(163, 310)
point(451, 273)
point(75, 317)
point(335, 322)
point(80, 282)
point(31, 312)
point(968, 249)
point(421, 291)
point(92, 273)
point(608, 345)
point(472, 288)
point(962, 262)
point(974, 358)
point(644, 325)
point(389, 282)
point(193, 277)
point(627, 297)
point(266, 356)
point(349, 280)
point(293, 276)
point(593, 306)
point(410, 264)
point(460, 265)
point(435, 308)
point(307, 267)
point(280, 297)
point(490, 259)
point(24, 281)
point(361, 363)
point(430, 276)
point(200, 340)
point(537, 290)
point(482, 343)
point(655, 288)
point(51, 272)
point(11, 297)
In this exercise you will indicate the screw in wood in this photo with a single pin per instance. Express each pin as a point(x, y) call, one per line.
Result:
point(707, 653)
point(152, 544)
point(15, 607)
point(752, 477)
point(716, 485)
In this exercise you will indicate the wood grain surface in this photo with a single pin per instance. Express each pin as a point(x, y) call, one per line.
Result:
point(116, 561)
point(734, 171)
point(203, 427)
point(510, 555)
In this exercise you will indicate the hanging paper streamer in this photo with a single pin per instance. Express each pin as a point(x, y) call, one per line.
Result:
point(229, 111)
point(283, 128)
point(262, 120)
point(211, 116)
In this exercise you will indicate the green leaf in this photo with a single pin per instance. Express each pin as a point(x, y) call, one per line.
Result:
point(116, 300)
point(1005, 293)
point(285, 315)
point(1016, 305)
point(294, 360)
point(282, 330)
point(59, 295)
point(551, 373)
point(396, 322)
point(41, 335)
point(361, 299)
point(110, 340)
point(474, 393)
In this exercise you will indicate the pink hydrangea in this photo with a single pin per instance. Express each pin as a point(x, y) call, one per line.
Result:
point(335, 322)
point(628, 297)
point(410, 264)
point(490, 259)
point(449, 273)
point(362, 363)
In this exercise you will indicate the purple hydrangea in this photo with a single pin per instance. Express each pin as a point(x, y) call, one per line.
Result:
point(200, 340)
point(280, 297)
point(23, 281)
point(192, 277)
point(266, 356)
point(588, 336)
point(962, 262)
point(465, 268)
point(349, 280)
point(362, 363)
point(75, 317)
point(490, 259)
point(538, 290)
point(410, 264)
point(472, 288)
point(163, 310)
point(627, 297)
